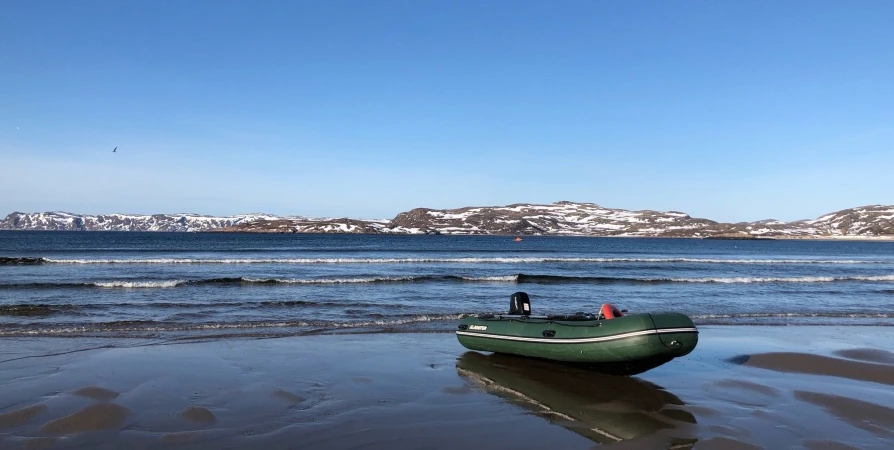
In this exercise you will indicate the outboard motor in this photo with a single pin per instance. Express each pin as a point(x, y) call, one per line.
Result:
point(519, 304)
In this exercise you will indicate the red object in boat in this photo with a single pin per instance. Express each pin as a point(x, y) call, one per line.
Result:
point(609, 311)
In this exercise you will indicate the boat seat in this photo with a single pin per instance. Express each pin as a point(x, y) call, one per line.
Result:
point(609, 311)
point(519, 304)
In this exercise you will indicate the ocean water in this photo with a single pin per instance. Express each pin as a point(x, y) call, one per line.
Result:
point(212, 284)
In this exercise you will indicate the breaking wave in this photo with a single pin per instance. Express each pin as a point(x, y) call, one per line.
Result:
point(472, 260)
point(137, 284)
point(99, 284)
point(17, 261)
point(44, 309)
point(735, 280)
point(130, 284)
point(842, 315)
point(514, 278)
point(142, 326)
point(38, 310)
point(523, 278)
point(396, 324)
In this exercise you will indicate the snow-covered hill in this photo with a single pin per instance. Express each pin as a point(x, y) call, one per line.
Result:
point(589, 219)
point(308, 225)
point(122, 222)
point(560, 218)
point(872, 220)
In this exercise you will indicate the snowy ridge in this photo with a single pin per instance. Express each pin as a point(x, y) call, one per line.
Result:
point(589, 219)
point(64, 221)
point(310, 225)
point(865, 220)
point(559, 218)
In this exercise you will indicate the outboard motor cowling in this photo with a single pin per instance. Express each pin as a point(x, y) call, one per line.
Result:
point(519, 304)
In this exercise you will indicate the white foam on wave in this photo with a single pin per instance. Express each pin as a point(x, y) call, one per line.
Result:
point(495, 278)
point(421, 318)
point(331, 280)
point(499, 278)
point(473, 260)
point(124, 284)
point(509, 278)
point(791, 315)
point(140, 284)
point(735, 280)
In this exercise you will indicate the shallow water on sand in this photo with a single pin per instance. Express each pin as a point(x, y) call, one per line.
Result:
point(175, 285)
point(743, 387)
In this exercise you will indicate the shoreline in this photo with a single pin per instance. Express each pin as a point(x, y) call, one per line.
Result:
point(742, 387)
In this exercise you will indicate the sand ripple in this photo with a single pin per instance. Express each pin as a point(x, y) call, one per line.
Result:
point(868, 354)
point(96, 393)
point(288, 396)
point(198, 414)
point(874, 418)
point(100, 416)
point(20, 416)
point(815, 444)
point(725, 443)
point(183, 437)
point(822, 365)
point(748, 385)
point(38, 443)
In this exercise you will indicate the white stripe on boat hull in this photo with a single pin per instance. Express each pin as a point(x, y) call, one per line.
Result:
point(578, 340)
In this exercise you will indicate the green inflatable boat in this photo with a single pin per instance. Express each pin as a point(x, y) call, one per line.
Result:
point(610, 340)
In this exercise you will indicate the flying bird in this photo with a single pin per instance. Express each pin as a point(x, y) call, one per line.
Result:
point(115, 150)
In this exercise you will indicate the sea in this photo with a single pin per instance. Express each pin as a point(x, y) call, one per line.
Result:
point(216, 285)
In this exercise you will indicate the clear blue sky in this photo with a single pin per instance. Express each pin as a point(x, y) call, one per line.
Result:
point(731, 110)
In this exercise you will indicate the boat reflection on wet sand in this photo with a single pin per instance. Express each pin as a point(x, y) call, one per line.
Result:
point(603, 408)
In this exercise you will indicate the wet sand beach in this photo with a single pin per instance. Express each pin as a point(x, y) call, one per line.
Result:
point(743, 387)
